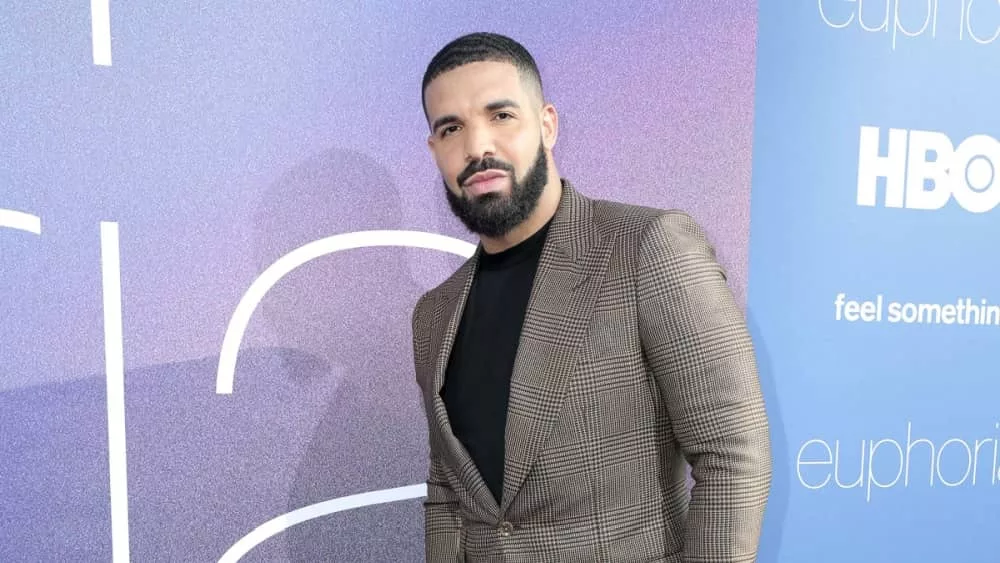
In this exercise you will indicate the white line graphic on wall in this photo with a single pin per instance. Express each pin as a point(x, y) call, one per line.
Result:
point(21, 221)
point(234, 336)
point(111, 282)
point(277, 525)
point(100, 30)
point(310, 251)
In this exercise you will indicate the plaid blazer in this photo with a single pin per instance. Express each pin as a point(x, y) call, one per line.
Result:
point(634, 361)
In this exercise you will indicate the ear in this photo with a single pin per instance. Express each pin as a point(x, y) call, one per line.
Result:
point(550, 125)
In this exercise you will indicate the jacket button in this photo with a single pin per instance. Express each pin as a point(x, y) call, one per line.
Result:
point(506, 529)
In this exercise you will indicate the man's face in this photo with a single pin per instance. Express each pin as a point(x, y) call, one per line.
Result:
point(489, 136)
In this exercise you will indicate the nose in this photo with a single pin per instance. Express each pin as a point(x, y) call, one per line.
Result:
point(478, 143)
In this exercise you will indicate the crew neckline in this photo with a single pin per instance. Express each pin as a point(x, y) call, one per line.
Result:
point(529, 247)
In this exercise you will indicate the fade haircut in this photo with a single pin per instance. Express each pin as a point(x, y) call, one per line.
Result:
point(480, 47)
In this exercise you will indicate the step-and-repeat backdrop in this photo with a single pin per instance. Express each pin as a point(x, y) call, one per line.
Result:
point(874, 290)
point(215, 219)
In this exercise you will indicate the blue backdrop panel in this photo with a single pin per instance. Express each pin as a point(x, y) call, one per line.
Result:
point(873, 287)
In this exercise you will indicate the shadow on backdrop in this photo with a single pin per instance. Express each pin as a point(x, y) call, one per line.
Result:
point(352, 310)
point(203, 469)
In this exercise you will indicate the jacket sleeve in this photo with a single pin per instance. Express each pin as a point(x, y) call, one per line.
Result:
point(698, 346)
point(442, 523)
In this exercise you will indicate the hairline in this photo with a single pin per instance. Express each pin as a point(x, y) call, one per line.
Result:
point(529, 81)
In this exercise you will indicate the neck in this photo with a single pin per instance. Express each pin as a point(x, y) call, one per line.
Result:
point(548, 203)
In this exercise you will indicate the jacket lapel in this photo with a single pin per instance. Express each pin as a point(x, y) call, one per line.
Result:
point(447, 316)
point(567, 283)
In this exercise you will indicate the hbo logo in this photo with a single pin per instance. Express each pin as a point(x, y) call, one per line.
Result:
point(924, 170)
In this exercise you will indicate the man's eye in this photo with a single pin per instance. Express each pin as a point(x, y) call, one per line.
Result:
point(504, 115)
point(449, 130)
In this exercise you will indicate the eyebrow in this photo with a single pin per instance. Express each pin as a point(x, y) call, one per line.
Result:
point(492, 106)
point(500, 104)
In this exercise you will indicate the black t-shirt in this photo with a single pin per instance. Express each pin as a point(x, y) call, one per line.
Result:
point(477, 381)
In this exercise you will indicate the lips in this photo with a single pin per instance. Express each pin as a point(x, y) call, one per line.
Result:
point(486, 181)
point(484, 176)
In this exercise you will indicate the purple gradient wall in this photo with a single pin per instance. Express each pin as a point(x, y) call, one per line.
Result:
point(220, 139)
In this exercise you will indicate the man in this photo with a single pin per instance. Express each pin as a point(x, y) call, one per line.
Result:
point(586, 353)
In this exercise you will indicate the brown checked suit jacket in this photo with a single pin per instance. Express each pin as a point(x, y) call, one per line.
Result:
point(634, 361)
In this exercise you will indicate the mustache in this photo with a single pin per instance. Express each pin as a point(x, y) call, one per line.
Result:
point(482, 166)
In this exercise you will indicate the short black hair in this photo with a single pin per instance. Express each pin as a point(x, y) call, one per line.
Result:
point(479, 47)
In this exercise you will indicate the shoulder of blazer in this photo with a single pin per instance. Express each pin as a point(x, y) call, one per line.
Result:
point(635, 227)
point(626, 223)
point(453, 285)
point(424, 311)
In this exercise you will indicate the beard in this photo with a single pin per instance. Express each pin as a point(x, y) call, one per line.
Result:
point(496, 214)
